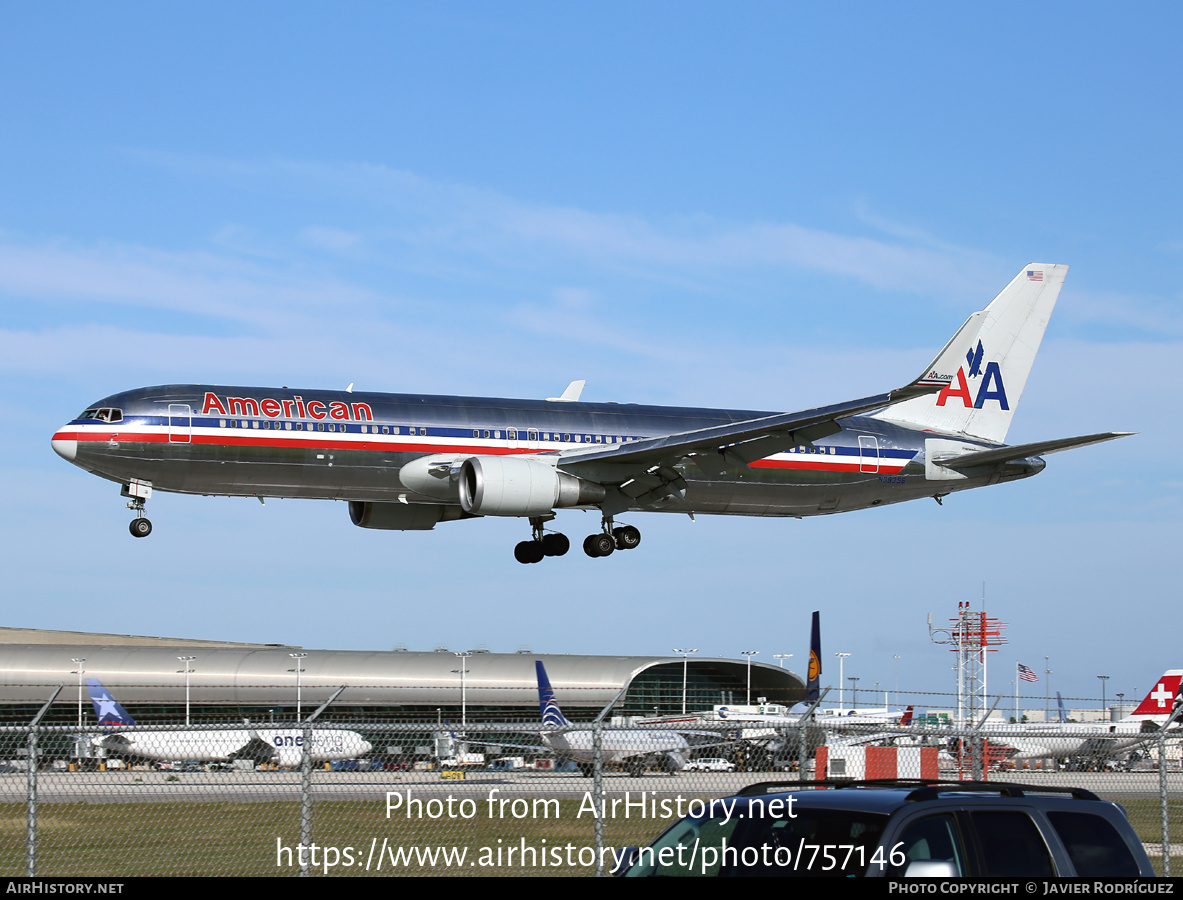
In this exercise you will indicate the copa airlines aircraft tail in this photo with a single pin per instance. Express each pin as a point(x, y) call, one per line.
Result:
point(409, 462)
point(634, 748)
point(279, 745)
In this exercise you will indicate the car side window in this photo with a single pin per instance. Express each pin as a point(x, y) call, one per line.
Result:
point(1093, 845)
point(931, 845)
point(1011, 845)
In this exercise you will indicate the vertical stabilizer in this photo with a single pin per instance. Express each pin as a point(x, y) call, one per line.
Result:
point(813, 685)
point(995, 360)
point(106, 708)
point(552, 716)
point(1163, 698)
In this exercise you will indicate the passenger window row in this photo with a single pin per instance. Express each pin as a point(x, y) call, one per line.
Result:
point(485, 434)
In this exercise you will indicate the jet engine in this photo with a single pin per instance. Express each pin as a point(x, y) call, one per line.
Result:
point(514, 486)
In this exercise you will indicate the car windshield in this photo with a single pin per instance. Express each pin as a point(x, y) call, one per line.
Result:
point(759, 839)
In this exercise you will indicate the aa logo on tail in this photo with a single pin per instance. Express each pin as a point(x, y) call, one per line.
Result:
point(990, 387)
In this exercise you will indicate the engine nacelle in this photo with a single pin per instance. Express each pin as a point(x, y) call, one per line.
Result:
point(515, 486)
point(401, 516)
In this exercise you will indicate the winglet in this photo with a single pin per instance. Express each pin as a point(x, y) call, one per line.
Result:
point(106, 708)
point(572, 394)
point(548, 707)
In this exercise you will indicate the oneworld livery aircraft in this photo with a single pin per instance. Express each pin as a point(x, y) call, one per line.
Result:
point(283, 746)
point(409, 461)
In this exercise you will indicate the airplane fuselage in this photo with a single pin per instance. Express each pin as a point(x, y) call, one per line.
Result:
point(308, 444)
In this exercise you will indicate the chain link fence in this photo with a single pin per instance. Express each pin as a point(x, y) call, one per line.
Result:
point(509, 798)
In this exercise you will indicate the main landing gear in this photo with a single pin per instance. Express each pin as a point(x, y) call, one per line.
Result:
point(545, 544)
point(139, 492)
point(553, 544)
point(602, 544)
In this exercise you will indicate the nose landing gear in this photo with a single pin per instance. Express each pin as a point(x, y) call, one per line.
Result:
point(139, 492)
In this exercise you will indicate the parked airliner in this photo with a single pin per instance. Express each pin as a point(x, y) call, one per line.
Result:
point(409, 461)
point(1099, 740)
point(631, 747)
point(283, 746)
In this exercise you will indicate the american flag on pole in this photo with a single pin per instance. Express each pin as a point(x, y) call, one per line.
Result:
point(1027, 673)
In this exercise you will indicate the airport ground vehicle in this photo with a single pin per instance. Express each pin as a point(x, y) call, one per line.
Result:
point(898, 828)
point(709, 764)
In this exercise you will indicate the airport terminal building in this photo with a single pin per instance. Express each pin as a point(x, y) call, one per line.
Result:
point(257, 682)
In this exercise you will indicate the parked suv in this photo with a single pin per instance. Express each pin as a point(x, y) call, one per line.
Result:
point(898, 828)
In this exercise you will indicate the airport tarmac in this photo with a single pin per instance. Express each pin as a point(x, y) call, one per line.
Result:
point(158, 786)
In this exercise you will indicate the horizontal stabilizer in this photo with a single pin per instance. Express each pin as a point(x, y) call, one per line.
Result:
point(1023, 451)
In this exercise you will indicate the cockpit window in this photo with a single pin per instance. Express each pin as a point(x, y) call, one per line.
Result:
point(106, 414)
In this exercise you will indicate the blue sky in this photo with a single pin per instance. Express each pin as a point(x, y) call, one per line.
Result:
point(768, 205)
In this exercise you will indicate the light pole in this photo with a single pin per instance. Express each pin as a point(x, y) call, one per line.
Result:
point(854, 691)
point(896, 656)
point(1047, 688)
point(841, 662)
point(782, 657)
point(78, 661)
point(187, 670)
point(749, 654)
point(463, 670)
point(299, 658)
point(1103, 679)
point(685, 657)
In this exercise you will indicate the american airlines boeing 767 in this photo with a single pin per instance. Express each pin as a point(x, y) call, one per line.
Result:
point(410, 461)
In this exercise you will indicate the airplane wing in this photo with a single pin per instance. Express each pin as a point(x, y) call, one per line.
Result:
point(643, 469)
point(1022, 451)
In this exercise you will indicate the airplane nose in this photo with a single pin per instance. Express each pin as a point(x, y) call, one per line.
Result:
point(66, 449)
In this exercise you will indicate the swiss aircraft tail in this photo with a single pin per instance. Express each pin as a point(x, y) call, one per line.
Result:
point(996, 348)
point(1163, 698)
point(106, 708)
point(813, 685)
point(552, 716)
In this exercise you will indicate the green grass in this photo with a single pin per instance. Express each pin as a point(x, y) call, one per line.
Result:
point(158, 839)
point(114, 840)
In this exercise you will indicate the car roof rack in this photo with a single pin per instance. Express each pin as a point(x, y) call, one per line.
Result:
point(922, 788)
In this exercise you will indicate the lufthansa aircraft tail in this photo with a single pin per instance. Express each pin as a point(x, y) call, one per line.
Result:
point(106, 708)
point(552, 716)
point(996, 348)
point(813, 685)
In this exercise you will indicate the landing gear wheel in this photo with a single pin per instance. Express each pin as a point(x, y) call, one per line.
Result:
point(555, 544)
point(528, 552)
point(635, 767)
point(627, 537)
point(599, 545)
point(140, 527)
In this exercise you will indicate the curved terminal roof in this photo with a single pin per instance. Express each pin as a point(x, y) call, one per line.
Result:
point(253, 675)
